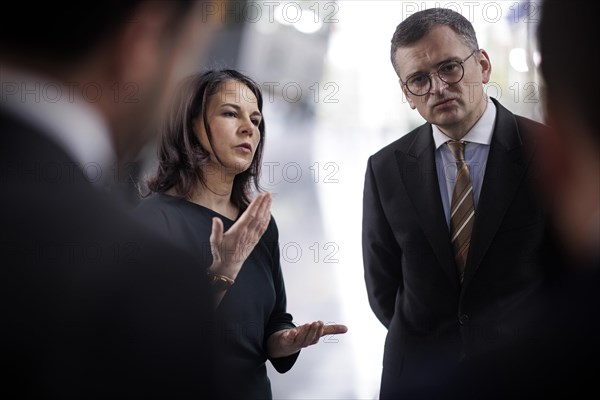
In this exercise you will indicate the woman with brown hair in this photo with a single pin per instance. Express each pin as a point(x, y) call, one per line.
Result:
point(209, 162)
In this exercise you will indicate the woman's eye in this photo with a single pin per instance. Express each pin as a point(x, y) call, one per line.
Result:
point(256, 122)
point(229, 114)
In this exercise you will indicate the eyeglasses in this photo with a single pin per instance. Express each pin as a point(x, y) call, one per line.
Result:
point(450, 72)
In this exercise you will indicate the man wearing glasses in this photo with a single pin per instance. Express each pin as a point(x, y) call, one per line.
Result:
point(452, 228)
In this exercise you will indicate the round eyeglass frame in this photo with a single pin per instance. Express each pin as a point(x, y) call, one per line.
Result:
point(461, 62)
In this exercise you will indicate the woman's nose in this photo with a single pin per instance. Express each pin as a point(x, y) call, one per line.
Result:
point(247, 127)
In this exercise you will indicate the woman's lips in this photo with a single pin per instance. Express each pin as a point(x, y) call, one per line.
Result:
point(245, 147)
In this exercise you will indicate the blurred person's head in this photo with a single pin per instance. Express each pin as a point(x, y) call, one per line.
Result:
point(569, 156)
point(214, 127)
point(126, 51)
point(441, 69)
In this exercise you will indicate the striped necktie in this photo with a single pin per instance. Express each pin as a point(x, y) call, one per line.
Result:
point(462, 210)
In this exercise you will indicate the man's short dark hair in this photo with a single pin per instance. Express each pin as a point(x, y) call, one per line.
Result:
point(419, 24)
point(62, 31)
point(567, 41)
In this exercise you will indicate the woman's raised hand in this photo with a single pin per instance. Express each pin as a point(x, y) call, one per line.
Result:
point(230, 249)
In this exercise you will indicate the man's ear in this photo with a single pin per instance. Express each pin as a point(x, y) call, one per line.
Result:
point(486, 66)
point(411, 103)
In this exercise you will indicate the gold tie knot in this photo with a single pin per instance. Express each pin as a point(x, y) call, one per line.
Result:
point(458, 150)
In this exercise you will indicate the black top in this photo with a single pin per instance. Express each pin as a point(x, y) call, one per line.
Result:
point(251, 310)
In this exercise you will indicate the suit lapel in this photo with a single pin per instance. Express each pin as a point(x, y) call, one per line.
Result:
point(506, 166)
point(419, 175)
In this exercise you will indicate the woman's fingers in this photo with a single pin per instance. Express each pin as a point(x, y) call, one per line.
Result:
point(266, 209)
point(254, 209)
point(234, 246)
point(291, 334)
point(320, 334)
point(310, 334)
point(262, 213)
point(250, 216)
point(255, 219)
point(334, 329)
point(312, 331)
point(247, 216)
point(216, 236)
point(317, 328)
point(302, 332)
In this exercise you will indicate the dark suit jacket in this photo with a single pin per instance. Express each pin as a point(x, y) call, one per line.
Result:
point(410, 271)
point(91, 305)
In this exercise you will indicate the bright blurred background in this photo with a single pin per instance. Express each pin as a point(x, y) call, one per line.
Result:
point(333, 99)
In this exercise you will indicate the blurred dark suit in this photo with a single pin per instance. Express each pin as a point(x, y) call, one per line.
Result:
point(433, 322)
point(91, 305)
point(557, 357)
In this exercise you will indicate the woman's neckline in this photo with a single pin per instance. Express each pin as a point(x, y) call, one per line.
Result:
point(196, 205)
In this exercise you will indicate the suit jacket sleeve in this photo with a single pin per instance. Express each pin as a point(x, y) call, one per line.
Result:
point(381, 253)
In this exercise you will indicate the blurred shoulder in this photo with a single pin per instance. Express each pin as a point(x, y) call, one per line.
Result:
point(529, 131)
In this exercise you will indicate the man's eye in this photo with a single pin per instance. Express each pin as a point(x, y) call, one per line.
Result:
point(418, 80)
point(449, 68)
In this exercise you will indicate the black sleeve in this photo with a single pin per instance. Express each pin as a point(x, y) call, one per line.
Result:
point(381, 253)
point(279, 319)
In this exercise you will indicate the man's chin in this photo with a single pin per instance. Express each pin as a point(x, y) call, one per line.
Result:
point(446, 118)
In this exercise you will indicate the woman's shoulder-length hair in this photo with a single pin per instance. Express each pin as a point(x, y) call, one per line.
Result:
point(182, 160)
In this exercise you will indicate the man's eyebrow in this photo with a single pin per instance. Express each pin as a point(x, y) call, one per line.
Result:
point(437, 65)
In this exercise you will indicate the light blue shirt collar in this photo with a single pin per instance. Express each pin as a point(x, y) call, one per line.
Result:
point(480, 133)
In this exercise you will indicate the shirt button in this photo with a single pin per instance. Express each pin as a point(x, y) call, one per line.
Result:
point(463, 319)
